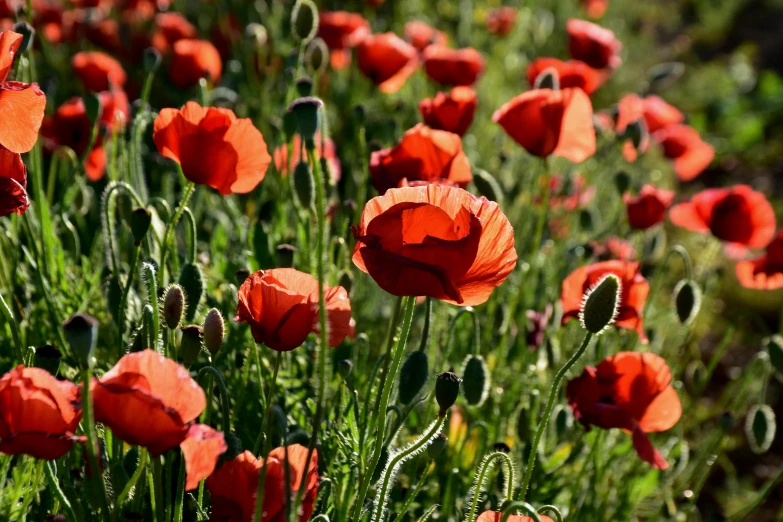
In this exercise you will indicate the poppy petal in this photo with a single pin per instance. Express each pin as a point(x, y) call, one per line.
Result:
point(646, 451)
point(21, 111)
point(201, 448)
point(9, 44)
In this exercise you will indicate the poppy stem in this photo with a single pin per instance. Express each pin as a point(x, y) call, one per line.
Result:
point(9, 318)
point(486, 465)
point(170, 227)
point(156, 489)
point(54, 486)
point(140, 467)
point(261, 437)
point(121, 319)
point(550, 403)
point(92, 442)
point(654, 287)
point(412, 495)
point(551, 509)
point(224, 400)
point(513, 507)
point(180, 495)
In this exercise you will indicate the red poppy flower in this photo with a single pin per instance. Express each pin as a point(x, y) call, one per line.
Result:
point(571, 74)
point(39, 415)
point(648, 208)
point(631, 391)
point(634, 292)
point(501, 20)
point(547, 122)
point(421, 35)
point(21, 105)
point(764, 272)
point(340, 31)
point(13, 183)
point(738, 215)
point(171, 28)
point(193, 60)
point(448, 66)
point(9, 8)
point(496, 516)
point(281, 307)
point(570, 193)
point(613, 248)
point(48, 20)
point(435, 241)
point(683, 144)
point(281, 155)
point(387, 60)
point(422, 154)
point(595, 8)
point(150, 401)
point(103, 32)
point(98, 71)
point(652, 110)
point(592, 44)
point(233, 485)
point(213, 147)
point(451, 112)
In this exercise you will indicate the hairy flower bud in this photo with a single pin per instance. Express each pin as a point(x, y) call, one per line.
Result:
point(437, 446)
point(687, 300)
point(306, 111)
point(190, 346)
point(213, 331)
point(317, 55)
point(446, 390)
point(413, 376)
point(191, 279)
point(173, 306)
point(139, 221)
point(475, 380)
point(600, 304)
point(81, 332)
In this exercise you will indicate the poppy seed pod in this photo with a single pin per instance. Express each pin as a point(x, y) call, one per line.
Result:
point(600, 305)
point(47, 357)
point(190, 346)
point(317, 55)
point(139, 222)
point(285, 256)
point(81, 332)
point(622, 182)
point(213, 331)
point(345, 368)
point(28, 33)
point(549, 78)
point(774, 346)
point(446, 390)
point(304, 86)
point(487, 186)
point(173, 306)
point(306, 112)
point(437, 446)
point(760, 428)
point(151, 60)
point(413, 376)
point(191, 279)
point(687, 300)
point(304, 20)
point(475, 380)
point(304, 184)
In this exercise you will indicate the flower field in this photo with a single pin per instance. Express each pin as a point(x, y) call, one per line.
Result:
point(390, 261)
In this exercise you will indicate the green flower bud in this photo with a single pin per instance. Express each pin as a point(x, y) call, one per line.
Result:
point(47, 357)
point(304, 20)
point(213, 331)
point(413, 376)
point(475, 380)
point(173, 306)
point(687, 299)
point(760, 427)
point(190, 345)
point(285, 255)
point(317, 55)
point(151, 60)
point(487, 186)
point(140, 221)
point(437, 446)
point(622, 182)
point(548, 79)
point(345, 368)
point(304, 86)
point(346, 281)
point(306, 111)
point(81, 332)
point(304, 184)
point(382, 462)
point(446, 390)
point(600, 305)
point(92, 106)
point(191, 279)
point(28, 33)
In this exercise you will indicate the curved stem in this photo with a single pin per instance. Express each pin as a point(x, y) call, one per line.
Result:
point(58, 493)
point(121, 319)
point(131, 483)
point(224, 398)
point(686, 260)
point(170, 227)
point(518, 505)
point(551, 509)
point(481, 476)
point(192, 235)
point(107, 217)
point(544, 422)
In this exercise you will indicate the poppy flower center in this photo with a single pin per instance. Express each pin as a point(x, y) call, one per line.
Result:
point(732, 219)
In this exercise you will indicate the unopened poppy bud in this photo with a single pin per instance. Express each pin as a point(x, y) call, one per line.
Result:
point(92, 106)
point(346, 281)
point(304, 20)
point(344, 368)
point(213, 331)
point(285, 255)
point(637, 132)
point(437, 446)
point(760, 427)
point(191, 279)
point(289, 125)
point(523, 425)
point(600, 304)
point(687, 300)
point(304, 86)
point(586, 220)
point(304, 184)
point(622, 182)
point(47, 357)
point(28, 33)
point(190, 346)
point(139, 222)
point(548, 79)
point(360, 113)
point(774, 346)
point(446, 390)
point(306, 111)
point(317, 55)
point(475, 380)
point(151, 60)
point(564, 420)
point(413, 376)
point(81, 332)
point(487, 185)
point(257, 35)
point(173, 306)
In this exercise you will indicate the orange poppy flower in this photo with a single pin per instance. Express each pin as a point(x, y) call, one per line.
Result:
point(322, 150)
point(435, 241)
point(169, 29)
point(648, 208)
point(592, 44)
point(233, 485)
point(193, 60)
point(387, 60)
point(213, 147)
point(103, 32)
point(737, 215)
point(595, 8)
point(547, 122)
point(634, 292)
point(39, 415)
point(21, 105)
point(13, 183)
point(496, 516)
point(451, 112)
point(631, 391)
point(281, 307)
point(423, 154)
point(98, 71)
point(690, 153)
point(150, 401)
point(764, 272)
point(652, 110)
point(448, 66)
point(421, 35)
point(571, 74)
point(501, 20)
point(340, 31)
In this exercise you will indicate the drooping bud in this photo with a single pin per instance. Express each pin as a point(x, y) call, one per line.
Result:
point(257, 35)
point(304, 184)
point(191, 279)
point(304, 20)
point(760, 427)
point(190, 345)
point(346, 281)
point(446, 390)
point(173, 306)
point(81, 332)
point(475, 380)
point(345, 368)
point(487, 186)
point(47, 357)
point(92, 106)
point(304, 86)
point(600, 305)
point(774, 346)
point(151, 60)
point(317, 55)
point(285, 255)
point(622, 182)
point(687, 300)
point(28, 33)
point(139, 222)
point(413, 376)
point(437, 446)
point(213, 331)
point(548, 79)
point(306, 111)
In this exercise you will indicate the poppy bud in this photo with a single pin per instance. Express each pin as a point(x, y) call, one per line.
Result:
point(345, 368)
point(413, 376)
point(151, 60)
point(446, 390)
point(564, 420)
point(346, 281)
point(93, 106)
point(475, 380)
point(241, 274)
point(139, 222)
point(304, 20)
point(213, 331)
point(687, 300)
point(289, 125)
point(523, 425)
point(173, 306)
point(28, 33)
point(81, 332)
point(285, 256)
point(586, 219)
point(190, 346)
point(548, 79)
point(306, 111)
point(775, 349)
point(760, 428)
point(257, 35)
point(137, 344)
point(304, 86)
point(191, 279)
point(622, 182)
point(360, 113)
point(600, 304)
point(304, 184)
point(637, 132)
point(487, 186)
point(437, 446)
point(47, 357)
point(317, 55)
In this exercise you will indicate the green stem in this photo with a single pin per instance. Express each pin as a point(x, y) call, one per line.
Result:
point(156, 490)
point(92, 441)
point(121, 319)
point(531, 461)
point(265, 428)
point(513, 507)
point(361, 196)
point(224, 398)
point(551, 509)
point(487, 464)
point(170, 227)
point(141, 466)
point(148, 276)
point(748, 510)
point(412, 495)
point(9, 317)
point(58, 493)
point(686, 260)
point(180, 496)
